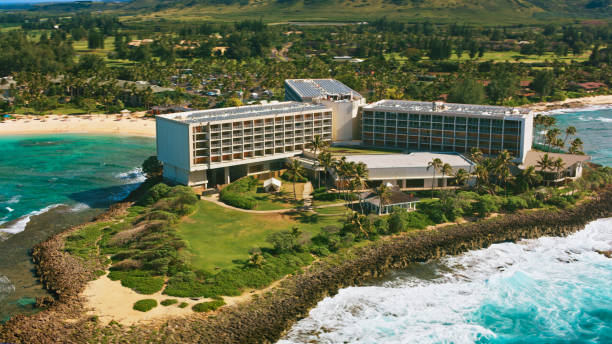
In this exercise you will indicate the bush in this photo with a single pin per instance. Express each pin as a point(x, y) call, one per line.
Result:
point(288, 177)
point(140, 281)
point(145, 305)
point(285, 241)
point(433, 209)
point(559, 201)
point(208, 306)
point(183, 305)
point(401, 220)
point(169, 302)
point(485, 205)
point(155, 193)
point(322, 189)
point(514, 203)
point(237, 200)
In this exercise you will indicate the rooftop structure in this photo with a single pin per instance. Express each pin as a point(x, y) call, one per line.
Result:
point(310, 89)
point(396, 199)
point(343, 101)
point(456, 109)
point(410, 171)
point(248, 111)
point(572, 163)
point(443, 127)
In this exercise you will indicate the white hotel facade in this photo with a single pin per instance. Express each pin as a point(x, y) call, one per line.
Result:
point(212, 147)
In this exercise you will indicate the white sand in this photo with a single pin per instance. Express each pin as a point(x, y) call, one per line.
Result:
point(573, 103)
point(93, 124)
point(109, 300)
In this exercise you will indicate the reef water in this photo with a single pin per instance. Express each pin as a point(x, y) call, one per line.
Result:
point(49, 183)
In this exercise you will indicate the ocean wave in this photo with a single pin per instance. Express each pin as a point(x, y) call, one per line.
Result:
point(6, 287)
point(135, 175)
point(541, 290)
point(20, 224)
point(593, 119)
point(582, 109)
point(13, 200)
point(79, 207)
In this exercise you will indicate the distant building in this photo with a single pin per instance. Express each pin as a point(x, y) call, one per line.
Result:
point(444, 127)
point(343, 101)
point(396, 199)
point(216, 146)
point(409, 171)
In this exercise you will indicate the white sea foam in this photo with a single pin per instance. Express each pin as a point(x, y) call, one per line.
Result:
point(134, 175)
point(583, 109)
point(552, 279)
point(9, 209)
point(13, 200)
point(20, 224)
point(79, 207)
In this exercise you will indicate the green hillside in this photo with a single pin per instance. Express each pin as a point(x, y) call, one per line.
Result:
point(279, 11)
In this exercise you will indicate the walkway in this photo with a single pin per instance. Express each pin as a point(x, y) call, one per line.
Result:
point(306, 207)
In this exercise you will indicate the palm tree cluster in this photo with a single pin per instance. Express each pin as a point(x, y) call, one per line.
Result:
point(491, 171)
point(553, 135)
point(548, 164)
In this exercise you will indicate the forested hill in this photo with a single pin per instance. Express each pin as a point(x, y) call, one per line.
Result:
point(477, 11)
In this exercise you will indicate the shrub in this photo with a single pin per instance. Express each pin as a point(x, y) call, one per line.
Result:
point(155, 193)
point(208, 306)
point(145, 305)
point(161, 215)
point(169, 302)
point(322, 189)
point(285, 241)
point(514, 203)
point(433, 209)
point(320, 251)
point(559, 201)
point(140, 281)
point(183, 305)
point(288, 176)
point(401, 220)
point(485, 205)
point(237, 200)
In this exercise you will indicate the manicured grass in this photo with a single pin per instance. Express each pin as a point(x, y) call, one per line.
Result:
point(339, 210)
point(217, 237)
point(281, 200)
point(81, 47)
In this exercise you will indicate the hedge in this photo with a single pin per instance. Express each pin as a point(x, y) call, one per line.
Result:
point(145, 305)
point(169, 302)
point(208, 306)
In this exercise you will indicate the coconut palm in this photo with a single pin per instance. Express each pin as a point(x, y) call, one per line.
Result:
point(576, 146)
point(318, 144)
point(475, 155)
point(530, 176)
point(569, 131)
point(435, 164)
point(360, 176)
point(384, 194)
point(461, 177)
point(551, 137)
point(295, 167)
point(545, 163)
point(446, 170)
point(558, 165)
point(327, 161)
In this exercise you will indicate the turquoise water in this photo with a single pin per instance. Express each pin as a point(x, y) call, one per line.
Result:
point(549, 290)
point(40, 172)
point(594, 129)
point(51, 182)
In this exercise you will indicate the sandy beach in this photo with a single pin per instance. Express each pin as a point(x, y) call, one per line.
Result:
point(134, 125)
point(572, 103)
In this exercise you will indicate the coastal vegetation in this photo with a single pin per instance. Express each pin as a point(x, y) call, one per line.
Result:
point(145, 305)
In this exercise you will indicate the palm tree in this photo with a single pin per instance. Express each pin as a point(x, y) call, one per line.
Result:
point(326, 160)
point(551, 137)
point(446, 170)
point(576, 146)
point(461, 177)
point(569, 131)
point(434, 164)
point(530, 176)
point(475, 155)
point(296, 169)
point(384, 194)
point(544, 163)
point(482, 175)
point(318, 144)
point(558, 165)
point(360, 176)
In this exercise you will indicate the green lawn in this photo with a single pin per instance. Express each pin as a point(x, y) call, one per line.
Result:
point(284, 199)
point(221, 238)
point(510, 56)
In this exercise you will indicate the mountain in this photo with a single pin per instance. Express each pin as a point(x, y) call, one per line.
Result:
point(476, 11)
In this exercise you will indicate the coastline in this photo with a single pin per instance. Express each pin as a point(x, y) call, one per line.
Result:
point(134, 125)
point(572, 103)
point(265, 319)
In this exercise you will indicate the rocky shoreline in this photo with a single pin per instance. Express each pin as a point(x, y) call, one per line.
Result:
point(265, 319)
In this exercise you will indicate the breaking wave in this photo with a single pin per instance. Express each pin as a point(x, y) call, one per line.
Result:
point(539, 291)
point(20, 224)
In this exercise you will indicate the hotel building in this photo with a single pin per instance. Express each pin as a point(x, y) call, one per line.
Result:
point(443, 127)
point(343, 102)
point(219, 145)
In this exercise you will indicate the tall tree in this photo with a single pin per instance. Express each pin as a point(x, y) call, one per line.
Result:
point(467, 91)
point(435, 164)
point(295, 168)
